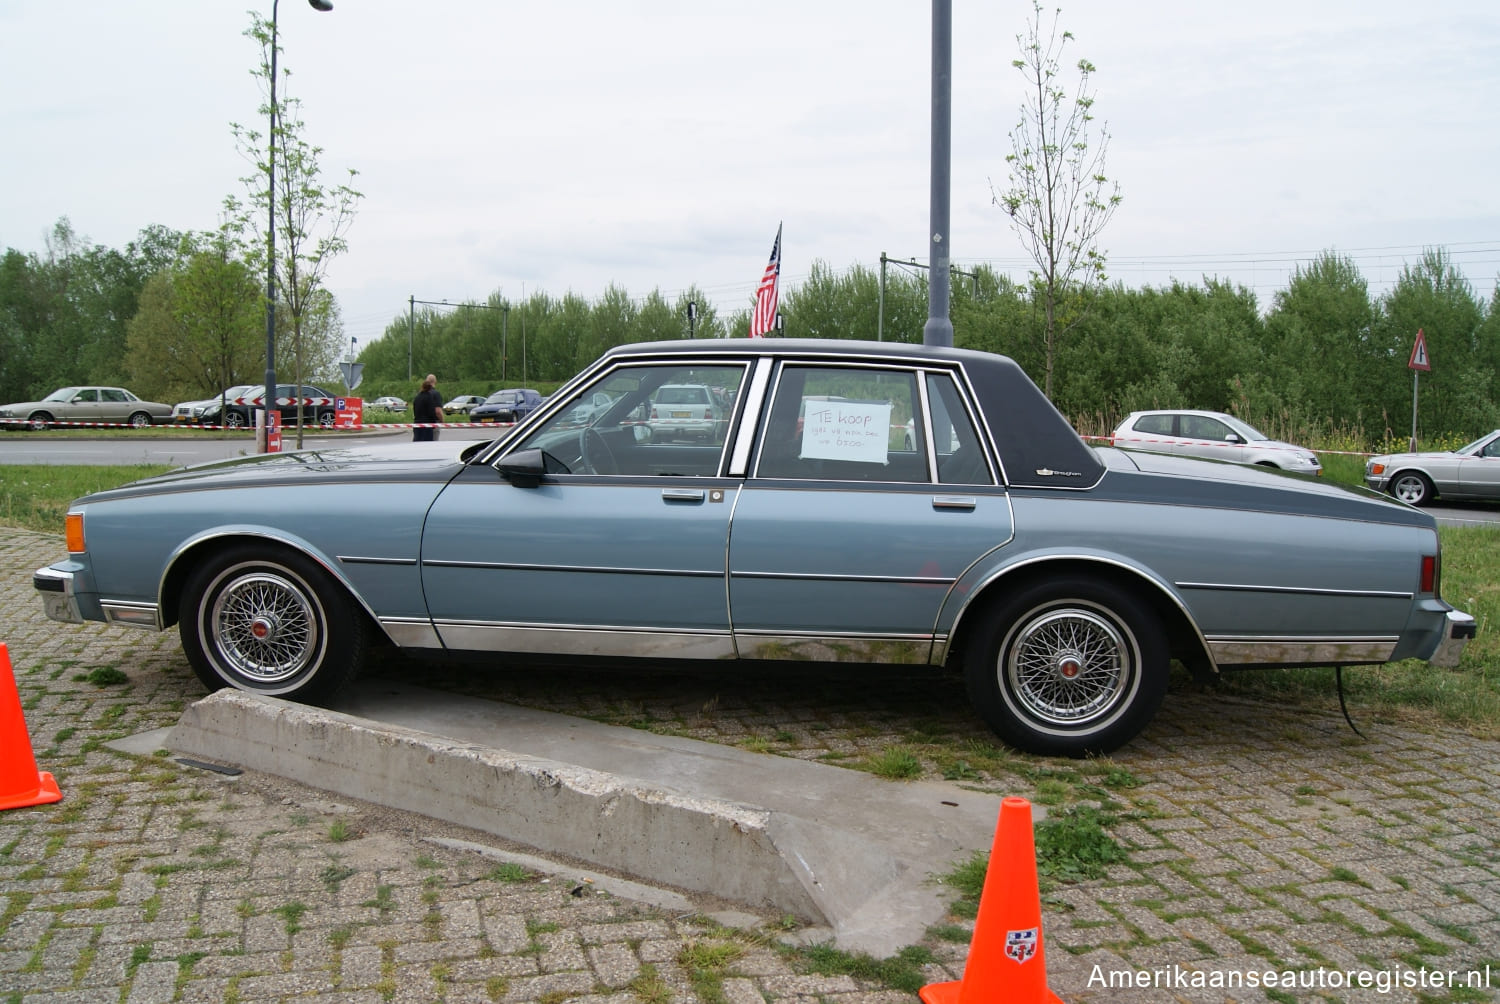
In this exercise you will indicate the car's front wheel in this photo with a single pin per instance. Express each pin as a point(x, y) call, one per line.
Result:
point(40, 421)
point(1067, 667)
point(327, 419)
point(1412, 487)
point(270, 621)
point(234, 420)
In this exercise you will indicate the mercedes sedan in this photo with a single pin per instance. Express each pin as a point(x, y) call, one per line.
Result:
point(1469, 472)
point(1061, 580)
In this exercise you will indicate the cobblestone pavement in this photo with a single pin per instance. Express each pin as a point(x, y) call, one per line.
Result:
point(1260, 840)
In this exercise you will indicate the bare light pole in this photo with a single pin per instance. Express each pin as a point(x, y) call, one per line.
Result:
point(939, 328)
point(264, 438)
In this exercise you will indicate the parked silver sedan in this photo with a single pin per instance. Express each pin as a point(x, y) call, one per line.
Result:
point(1470, 472)
point(88, 406)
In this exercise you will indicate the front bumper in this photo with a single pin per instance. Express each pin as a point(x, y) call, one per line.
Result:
point(1459, 629)
point(58, 599)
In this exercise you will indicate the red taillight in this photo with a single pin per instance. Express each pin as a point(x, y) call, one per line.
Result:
point(708, 414)
point(1429, 573)
point(655, 413)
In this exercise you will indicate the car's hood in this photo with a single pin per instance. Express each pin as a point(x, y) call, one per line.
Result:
point(1145, 476)
point(1390, 459)
point(374, 462)
point(1276, 444)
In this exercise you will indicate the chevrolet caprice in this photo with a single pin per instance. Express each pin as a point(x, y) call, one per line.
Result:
point(1060, 579)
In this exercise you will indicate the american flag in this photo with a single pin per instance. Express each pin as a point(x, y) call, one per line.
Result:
point(764, 317)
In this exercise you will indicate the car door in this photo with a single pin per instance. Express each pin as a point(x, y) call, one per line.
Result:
point(1480, 474)
point(619, 550)
point(1205, 436)
point(81, 407)
point(844, 541)
point(114, 406)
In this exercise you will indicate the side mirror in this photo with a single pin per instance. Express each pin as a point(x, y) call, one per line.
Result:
point(526, 468)
point(1231, 438)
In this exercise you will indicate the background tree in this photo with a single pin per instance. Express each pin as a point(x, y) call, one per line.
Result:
point(312, 218)
point(200, 325)
point(1059, 199)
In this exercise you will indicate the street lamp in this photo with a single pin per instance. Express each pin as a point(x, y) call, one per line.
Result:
point(692, 313)
point(265, 436)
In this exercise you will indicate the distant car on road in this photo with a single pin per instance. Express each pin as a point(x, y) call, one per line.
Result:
point(389, 403)
point(1469, 472)
point(94, 405)
point(1211, 435)
point(317, 407)
point(460, 405)
point(192, 411)
point(509, 405)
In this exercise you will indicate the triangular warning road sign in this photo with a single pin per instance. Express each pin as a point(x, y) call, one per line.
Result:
point(1419, 360)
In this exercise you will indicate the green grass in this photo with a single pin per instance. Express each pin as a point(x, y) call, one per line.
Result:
point(36, 496)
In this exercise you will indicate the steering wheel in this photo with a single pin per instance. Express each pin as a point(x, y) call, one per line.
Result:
point(600, 452)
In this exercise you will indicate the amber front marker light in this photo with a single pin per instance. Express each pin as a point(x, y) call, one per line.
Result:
point(74, 531)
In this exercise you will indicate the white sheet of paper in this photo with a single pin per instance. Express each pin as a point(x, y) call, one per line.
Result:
point(846, 430)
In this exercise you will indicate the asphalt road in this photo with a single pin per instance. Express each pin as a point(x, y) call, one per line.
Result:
point(40, 449)
point(21, 448)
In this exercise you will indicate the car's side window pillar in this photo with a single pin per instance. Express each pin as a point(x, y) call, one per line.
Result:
point(956, 444)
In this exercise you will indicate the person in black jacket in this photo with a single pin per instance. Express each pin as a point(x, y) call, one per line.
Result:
point(428, 409)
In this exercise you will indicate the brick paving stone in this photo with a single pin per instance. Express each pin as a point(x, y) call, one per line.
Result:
point(1259, 837)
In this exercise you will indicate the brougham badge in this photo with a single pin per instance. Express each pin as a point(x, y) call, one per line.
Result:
point(1047, 472)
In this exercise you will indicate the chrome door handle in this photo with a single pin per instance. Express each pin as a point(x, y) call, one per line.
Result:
point(965, 502)
point(682, 495)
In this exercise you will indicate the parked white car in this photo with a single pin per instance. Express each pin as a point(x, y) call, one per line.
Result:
point(389, 403)
point(1211, 435)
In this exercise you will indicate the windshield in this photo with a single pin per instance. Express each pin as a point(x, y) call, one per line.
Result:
point(65, 394)
point(1474, 446)
point(1249, 433)
point(502, 397)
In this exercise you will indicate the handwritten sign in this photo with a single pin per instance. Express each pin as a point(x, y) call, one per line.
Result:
point(846, 430)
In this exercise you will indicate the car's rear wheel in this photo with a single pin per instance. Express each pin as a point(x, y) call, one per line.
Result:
point(270, 621)
point(40, 421)
point(1067, 667)
point(140, 420)
point(1412, 487)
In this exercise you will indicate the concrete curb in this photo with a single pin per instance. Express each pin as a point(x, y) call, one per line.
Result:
point(833, 846)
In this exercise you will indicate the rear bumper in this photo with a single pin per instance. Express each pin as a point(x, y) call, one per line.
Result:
point(1458, 630)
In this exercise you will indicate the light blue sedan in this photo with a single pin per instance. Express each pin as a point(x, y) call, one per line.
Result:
point(1059, 578)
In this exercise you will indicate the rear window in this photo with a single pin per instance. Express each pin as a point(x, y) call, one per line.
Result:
point(1156, 425)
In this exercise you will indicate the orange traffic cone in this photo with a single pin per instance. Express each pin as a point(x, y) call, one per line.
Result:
point(1006, 960)
point(20, 784)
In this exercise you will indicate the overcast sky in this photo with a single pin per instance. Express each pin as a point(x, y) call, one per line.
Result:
point(570, 145)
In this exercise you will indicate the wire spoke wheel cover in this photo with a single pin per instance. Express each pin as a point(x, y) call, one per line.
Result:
point(1069, 666)
point(266, 627)
point(266, 619)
